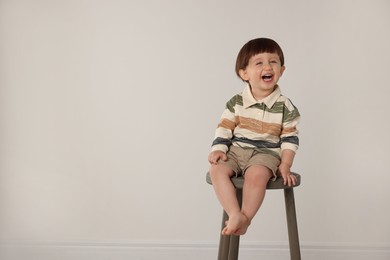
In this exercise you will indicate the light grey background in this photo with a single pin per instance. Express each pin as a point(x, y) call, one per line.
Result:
point(108, 110)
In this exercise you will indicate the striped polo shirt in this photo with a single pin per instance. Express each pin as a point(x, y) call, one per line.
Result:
point(268, 125)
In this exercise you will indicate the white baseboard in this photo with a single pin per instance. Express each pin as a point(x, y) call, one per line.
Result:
point(180, 251)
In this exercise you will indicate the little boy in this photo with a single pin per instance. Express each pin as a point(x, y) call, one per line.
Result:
point(256, 137)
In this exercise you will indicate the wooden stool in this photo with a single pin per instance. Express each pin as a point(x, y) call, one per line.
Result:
point(229, 245)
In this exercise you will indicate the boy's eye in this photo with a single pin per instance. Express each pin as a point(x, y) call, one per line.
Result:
point(259, 63)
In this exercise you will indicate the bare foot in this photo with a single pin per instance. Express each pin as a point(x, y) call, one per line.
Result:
point(237, 225)
point(242, 230)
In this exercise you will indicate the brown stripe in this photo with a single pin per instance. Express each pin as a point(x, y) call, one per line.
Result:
point(289, 130)
point(259, 126)
point(226, 123)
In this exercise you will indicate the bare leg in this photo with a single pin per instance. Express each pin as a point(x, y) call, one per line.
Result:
point(255, 184)
point(226, 193)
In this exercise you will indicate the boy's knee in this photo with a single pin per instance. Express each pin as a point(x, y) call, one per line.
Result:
point(219, 170)
point(258, 173)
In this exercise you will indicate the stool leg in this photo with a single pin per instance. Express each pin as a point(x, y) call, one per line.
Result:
point(229, 245)
point(234, 246)
point(235, 240)
point(292, 225)
point(224, 241)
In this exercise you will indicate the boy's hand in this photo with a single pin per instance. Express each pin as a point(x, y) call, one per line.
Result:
point(215, 156)
point(288, 178)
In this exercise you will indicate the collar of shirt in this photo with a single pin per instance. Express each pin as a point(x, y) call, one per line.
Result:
point(269, 101)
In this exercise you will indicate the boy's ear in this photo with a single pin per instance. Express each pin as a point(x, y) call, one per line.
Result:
point(243, 75)
point(282, 69)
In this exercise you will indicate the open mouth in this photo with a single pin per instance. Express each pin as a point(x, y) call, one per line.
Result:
point(267, 77)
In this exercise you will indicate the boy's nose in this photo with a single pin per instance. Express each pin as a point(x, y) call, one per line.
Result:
point(267, 65)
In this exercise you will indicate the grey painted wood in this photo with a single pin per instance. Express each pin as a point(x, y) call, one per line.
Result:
point(229, 245)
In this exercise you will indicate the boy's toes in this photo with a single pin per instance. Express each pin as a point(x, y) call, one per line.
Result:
point(226, 231)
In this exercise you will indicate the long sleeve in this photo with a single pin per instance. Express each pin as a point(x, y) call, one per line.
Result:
point(289, 135)
point(268, 125)
point(225, 128)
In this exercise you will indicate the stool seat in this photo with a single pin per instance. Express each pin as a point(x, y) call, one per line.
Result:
point(238, 182)
point(229, 245)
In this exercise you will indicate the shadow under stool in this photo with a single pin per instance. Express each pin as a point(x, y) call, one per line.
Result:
point(229, 245)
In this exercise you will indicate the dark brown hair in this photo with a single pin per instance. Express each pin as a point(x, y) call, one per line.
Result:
point(256, 46)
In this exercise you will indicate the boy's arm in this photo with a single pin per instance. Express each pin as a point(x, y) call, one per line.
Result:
point(225, 128)
point(285, 167)
point(289, 143)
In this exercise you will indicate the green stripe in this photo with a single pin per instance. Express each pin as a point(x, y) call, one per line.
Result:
point(289, 116)
point(278, 108)
point(236, 100)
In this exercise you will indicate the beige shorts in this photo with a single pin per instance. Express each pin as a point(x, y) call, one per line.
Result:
point(240, 159)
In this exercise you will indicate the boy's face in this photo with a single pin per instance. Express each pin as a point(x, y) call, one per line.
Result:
point(263, 71)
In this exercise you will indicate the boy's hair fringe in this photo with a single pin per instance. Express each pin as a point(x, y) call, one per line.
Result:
point(256, 46)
